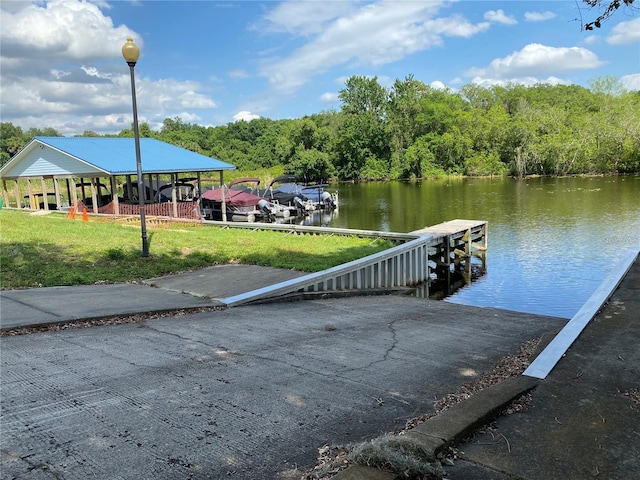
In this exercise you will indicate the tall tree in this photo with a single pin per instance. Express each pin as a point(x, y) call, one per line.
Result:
point(363, 95)
point(362, 136)
point(402, 119)
point(308, 159)
point(12, 139)
point(361, 139)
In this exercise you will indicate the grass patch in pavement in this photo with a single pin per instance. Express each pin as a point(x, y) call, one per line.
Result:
point(52, 250)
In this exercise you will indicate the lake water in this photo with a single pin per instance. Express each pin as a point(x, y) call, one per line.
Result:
point(551, 240)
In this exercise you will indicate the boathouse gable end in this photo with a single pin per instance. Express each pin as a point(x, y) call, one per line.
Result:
point(40, 160)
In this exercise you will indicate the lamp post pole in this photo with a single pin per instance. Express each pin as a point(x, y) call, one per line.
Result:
point(131, 53)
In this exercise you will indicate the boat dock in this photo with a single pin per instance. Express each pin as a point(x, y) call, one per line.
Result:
point(456, 243)
point(462, 238)
point(420, 257)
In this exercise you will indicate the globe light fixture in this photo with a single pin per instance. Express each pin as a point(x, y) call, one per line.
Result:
point(131, 53)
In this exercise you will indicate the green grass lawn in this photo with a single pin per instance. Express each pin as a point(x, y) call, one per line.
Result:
point(53, 250)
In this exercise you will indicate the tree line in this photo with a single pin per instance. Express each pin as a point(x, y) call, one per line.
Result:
point(412, 130)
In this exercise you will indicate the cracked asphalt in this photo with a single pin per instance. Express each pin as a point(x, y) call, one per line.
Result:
point(250, 392)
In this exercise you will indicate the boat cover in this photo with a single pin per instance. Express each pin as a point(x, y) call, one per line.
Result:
point(232, 197)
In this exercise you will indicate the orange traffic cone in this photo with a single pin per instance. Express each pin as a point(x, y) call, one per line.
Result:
point(85, 217)
point(72, 213)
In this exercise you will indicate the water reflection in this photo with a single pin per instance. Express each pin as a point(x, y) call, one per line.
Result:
point(447, 280)
point(551, 240)
point(315, 218)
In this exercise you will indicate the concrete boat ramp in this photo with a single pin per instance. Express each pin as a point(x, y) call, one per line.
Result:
point(253, 392)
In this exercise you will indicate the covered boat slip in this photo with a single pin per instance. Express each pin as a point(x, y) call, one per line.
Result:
point(100, 174)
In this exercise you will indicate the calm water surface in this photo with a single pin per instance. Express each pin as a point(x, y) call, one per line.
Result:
point(551, 240)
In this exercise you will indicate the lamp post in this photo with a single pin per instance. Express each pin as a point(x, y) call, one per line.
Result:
point(131, 53)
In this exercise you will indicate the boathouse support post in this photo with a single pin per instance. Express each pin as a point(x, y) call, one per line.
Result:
point(32, 202)
point(68, 192)
point(17, 190)
point(5, 193)
point(74, 195)
point(114, 195)
point(84, 195)
point(94, 195)
point(174, 194)
point(129, 189)
point(56, 190)
point(45, 202)
point(223, 196)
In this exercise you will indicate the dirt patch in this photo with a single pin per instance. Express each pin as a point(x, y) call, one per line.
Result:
point(112, 320)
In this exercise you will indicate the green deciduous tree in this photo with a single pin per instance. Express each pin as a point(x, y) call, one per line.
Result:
point(12, 139)
point(309, 165)
point(361, 138)
point(362, 95)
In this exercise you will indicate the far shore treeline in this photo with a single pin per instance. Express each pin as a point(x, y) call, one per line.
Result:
point(412, 130)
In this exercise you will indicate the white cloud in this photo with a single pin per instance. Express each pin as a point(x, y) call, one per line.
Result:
point(245, 115)
point(498, 16)
point(625, 33)
point(631, 82)
point(374, 35)
point(60, 30)
point(188, 117)
point(169, 94)
point(63, 60)
point(329, 97)
point(94, 72)
point(438, 85)
point(303, 18)
point(592, 40)
point(536, 60)
point(238, 73)
point(539, 16)
point(75, 125)
point(456, 26)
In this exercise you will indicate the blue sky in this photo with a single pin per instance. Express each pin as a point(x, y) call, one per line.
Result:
point(215, 62)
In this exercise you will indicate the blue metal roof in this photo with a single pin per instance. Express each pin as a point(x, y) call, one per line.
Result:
point(118, 156)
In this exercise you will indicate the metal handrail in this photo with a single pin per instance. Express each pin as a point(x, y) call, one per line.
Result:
point(400, 266)
point(307, 229)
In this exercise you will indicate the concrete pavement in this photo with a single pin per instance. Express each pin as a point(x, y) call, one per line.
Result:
point(254, 391)
point(249, 392)
point(186, 291)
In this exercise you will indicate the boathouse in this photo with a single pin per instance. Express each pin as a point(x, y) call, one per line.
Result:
point(99, 174)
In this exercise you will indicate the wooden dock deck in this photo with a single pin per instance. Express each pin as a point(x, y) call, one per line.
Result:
point(455, 228)
point(457, 240)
